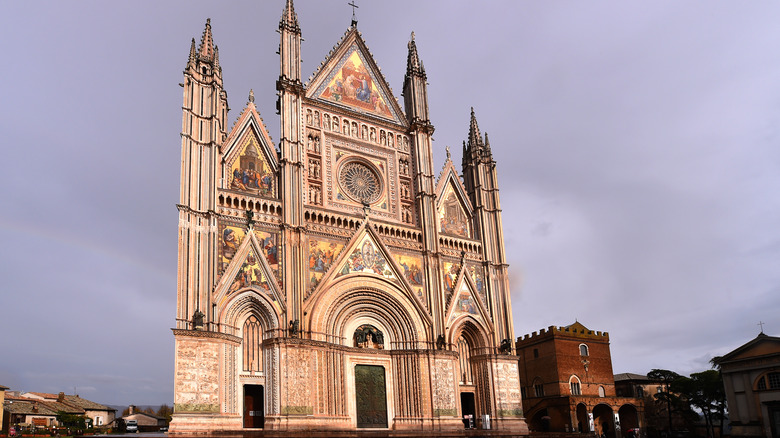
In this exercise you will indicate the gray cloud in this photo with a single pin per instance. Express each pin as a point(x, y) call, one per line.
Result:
point(636, 148)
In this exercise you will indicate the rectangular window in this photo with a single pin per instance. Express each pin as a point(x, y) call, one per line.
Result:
point(523, 392)
point(539, 390)
point(575, 388)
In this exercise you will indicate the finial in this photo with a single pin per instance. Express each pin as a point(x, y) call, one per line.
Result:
point(448, 152)
point(411, 38)
point(354, 20)
point(251, 95)
point(761, 324)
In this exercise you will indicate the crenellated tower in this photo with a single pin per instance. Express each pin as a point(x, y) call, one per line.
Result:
point(204, 114)
point(480, 178)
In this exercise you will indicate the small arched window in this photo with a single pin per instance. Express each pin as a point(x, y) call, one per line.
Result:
point(574, 384)
point(583, 350)
point(602, 392)
point(768, 381)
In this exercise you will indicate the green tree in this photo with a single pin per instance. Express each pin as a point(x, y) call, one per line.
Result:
point(165, 411)
point(705, 392)
point(72, 420)
point(666, 396)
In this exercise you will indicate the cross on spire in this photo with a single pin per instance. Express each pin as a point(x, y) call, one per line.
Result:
point(761, 324)
point(354, 20)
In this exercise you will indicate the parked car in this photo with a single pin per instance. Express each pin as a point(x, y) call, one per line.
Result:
point(132, 426)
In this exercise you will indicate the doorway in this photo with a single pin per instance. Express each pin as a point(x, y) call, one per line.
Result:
point(371, 396)
point(254, 412)
point(468, 409)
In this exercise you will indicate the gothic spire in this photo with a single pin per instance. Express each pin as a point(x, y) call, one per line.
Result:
point(475, 139)
point(289, 19)
point(193, 52)
point(413, 63)
point(206, 49)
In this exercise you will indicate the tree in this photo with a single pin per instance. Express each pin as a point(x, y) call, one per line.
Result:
point(165, 412)
point(665, 396)
point(705, 392)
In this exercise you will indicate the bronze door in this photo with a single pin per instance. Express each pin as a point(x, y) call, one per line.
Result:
point(254, 414)
point(371, 397)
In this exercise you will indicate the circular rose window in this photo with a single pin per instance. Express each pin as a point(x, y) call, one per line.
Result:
point(360, 182)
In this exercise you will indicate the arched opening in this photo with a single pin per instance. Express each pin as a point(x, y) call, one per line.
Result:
point(583, 425)
point(584, 350)
point(604, 421)
point(629, 420)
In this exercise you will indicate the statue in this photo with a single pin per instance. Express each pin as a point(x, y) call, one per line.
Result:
point(294, 328)
point(197, 320)
point(505, 347)
point(440, 342)
point(250, 219)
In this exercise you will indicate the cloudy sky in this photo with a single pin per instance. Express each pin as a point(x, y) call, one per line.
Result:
point(637, 149)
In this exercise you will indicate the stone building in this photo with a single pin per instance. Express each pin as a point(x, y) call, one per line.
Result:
point(751, 379)
point(568, 384)
point(331, 280)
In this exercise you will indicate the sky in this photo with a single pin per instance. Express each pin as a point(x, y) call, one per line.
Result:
point(636, 145)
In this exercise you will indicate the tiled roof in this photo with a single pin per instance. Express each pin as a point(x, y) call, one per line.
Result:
point(86, 404)
point(28, 407)
point(630, 376)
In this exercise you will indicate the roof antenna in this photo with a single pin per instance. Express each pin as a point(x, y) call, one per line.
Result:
point(354, 20)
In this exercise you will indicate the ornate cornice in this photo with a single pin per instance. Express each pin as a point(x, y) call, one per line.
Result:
point(203, 334)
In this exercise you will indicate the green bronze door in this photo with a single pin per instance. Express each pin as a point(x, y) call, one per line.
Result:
point(371, 398)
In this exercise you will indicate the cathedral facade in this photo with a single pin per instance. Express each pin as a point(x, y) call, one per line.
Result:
point(332, 280)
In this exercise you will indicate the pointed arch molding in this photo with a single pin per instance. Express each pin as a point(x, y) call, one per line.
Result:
point(249, 123)
point(476, 311)
point(394, 282)
point(352, 49)
point(449, 176)
point(222, 293)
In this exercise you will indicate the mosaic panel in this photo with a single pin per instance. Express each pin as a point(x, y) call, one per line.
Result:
point(450, 273)
point(465, 302)
point(452, 218)
point(352, 84)
point(412, 266)
point(322, 254)
point(250, 172)
point(367, 258)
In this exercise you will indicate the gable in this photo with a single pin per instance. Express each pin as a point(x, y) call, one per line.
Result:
point(760, 346)
point(465, 301)
point(367, 258)
point(453, 218)
point(351, 79)
point(251, 266)
point(248, 168)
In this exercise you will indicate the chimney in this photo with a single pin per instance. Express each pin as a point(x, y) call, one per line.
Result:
point(131, 410)
point(61, 397)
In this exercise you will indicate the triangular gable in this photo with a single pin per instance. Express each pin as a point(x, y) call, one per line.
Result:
point(761, 345)
point(365, 254)
point(453, 209)
point(249, 121)
point(248, 269)
point(250, 162)
point(350, 78)
point(466, 300)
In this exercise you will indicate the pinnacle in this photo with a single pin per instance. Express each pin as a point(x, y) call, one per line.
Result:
point(206, 49)
point(475, 139)
point(289, 17)
point(193, 51)
point(413, 64)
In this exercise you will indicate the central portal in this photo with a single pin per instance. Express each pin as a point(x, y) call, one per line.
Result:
point(371, 397)
point(254, 414)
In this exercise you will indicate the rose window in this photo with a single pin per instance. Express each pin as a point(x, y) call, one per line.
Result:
point(360, 182)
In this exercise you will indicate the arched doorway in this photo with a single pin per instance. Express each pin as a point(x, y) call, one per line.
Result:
point(583, 425)
point(604, 421)
point(629, 419)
